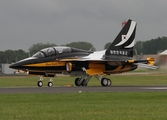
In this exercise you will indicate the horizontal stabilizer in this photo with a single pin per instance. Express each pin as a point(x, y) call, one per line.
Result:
point(149, 61)
point(146, 66)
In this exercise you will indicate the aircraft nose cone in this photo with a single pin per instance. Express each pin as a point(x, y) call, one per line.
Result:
point(14, 66)
point(20, 65)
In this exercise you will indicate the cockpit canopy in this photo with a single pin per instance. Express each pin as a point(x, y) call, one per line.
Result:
point(53, 51)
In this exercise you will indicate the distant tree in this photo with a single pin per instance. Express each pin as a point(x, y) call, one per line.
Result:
point(36, 47)
point(21, 54)
point(152, 46)
point(139, 47)
point(10, 56)
point(2, 57)
point(107, 45)
point(82, 45)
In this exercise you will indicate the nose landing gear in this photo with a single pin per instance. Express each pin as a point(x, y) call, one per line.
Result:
point(40, 83)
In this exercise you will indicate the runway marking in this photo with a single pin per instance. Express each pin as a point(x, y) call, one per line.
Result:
point(156, 88)
point(81, 89)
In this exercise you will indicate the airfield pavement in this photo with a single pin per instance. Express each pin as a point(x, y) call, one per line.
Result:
point(71, 89)
point(82, 89)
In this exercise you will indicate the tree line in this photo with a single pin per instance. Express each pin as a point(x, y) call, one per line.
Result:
point(10, 56)
point(152, 46)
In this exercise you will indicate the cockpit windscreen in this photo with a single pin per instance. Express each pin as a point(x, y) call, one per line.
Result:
point(52, 51)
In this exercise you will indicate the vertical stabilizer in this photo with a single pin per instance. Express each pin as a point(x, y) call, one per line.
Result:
point(124, 42)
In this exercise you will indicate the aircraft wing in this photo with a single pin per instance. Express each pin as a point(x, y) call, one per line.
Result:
point(148, 63)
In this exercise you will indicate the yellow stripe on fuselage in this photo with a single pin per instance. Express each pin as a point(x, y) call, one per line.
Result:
point(69, 59)
point(46, 64)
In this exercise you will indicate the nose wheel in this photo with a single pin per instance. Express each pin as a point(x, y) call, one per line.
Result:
point(50, 84)
point(39, 83)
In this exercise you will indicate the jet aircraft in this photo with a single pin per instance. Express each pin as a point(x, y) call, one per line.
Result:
point(118, 58)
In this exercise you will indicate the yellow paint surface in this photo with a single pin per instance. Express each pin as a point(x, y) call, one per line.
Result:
point(45, 64)
point(95, 69)
point(131, 61)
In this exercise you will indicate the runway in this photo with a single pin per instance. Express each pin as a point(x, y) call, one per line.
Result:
point(24, 90)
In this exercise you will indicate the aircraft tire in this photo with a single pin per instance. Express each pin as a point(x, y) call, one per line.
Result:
point(109, 82)
point(50, 84)
point(84, 83)
point(39, 83)
point(104, 82)
point(77, 82)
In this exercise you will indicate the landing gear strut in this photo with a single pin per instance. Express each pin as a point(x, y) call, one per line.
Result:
point(83, 81)
point(50, 84)
point(40, 83)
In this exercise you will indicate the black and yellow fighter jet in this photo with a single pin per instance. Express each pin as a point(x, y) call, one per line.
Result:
point(75, 62)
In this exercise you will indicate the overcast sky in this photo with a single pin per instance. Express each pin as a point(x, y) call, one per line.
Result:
point(27, 22)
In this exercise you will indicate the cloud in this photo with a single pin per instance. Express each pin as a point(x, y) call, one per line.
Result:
point(27, 22)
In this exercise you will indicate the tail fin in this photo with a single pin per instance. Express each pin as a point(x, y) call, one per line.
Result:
point(124, 42)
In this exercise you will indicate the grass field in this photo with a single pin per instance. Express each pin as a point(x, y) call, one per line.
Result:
point(86, 105)
point(133, 79)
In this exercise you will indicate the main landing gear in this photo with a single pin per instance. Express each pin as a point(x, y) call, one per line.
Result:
point(104, 81)
point(83, 81)
point(40, 83)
